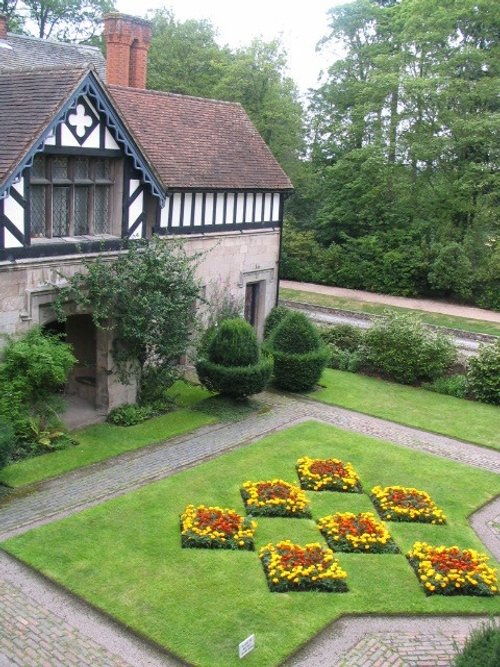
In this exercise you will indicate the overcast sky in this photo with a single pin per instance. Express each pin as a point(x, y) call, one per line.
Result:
point(300, 24)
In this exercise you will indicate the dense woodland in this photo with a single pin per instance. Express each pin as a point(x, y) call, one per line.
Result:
point(394, 157)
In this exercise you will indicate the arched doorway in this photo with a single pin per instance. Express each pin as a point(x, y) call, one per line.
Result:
point(80, 332)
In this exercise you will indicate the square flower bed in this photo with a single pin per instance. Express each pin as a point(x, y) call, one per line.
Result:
point(291, 567)
point(399, 503)
point(275, 498)
point(360, 533)
point(452, 571)
point(216, 528)
point(327, 475)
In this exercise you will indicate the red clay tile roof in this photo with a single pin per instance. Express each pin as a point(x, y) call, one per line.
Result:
point(29, 100)
point(199, 143)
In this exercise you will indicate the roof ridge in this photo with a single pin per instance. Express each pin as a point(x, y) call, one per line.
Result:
point(53, 68)
point(166, 93)
point(54, 41)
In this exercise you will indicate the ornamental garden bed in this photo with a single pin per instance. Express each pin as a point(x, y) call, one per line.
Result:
point(275, 498)
point(399, 503)
point(452, 571)
point(216, 528)
point(356, 533)
point(327, 475)
point(125, 557)
point(291, 567)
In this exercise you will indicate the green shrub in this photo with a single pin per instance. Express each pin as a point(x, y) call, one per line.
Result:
point(299, 354)
point(343, 336)
point(130, 414)
point(275, 317)
point(344, 360)
point(296, 334)
point(235, 381)
point(482, 648)
point(7, 442)
point(234, 344)
point(233, 365)
point(484, 374)
point(155, 383)
point(451, 385)
point(401, 348)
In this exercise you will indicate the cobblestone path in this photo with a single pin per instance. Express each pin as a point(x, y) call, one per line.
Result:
point(49, 639)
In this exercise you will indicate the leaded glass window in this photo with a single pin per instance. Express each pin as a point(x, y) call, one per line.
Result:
point(71, 196)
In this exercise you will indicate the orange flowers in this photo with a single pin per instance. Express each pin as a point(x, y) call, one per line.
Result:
point(362, 533)
point(292, 567)
point(452, 571)
point(327, 475)
point(216, 528)
point(399, 503)
point(275, 498)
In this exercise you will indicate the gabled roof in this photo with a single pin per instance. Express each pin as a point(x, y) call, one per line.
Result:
point(34, 102)
point(29, 100)
point(199, 143)
point(21, 52)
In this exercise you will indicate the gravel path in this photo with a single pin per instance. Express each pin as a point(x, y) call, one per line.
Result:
point(426, 305)
point(42, 625)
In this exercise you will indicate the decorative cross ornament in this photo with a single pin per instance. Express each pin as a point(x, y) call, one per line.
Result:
point(80, 120)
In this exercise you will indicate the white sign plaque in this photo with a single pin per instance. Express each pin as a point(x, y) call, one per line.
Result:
point(246, 646)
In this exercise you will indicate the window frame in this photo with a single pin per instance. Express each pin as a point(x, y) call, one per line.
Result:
point(72, 181)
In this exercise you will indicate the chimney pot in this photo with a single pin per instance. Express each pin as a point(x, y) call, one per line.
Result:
point(127, 41)
point(3, 26)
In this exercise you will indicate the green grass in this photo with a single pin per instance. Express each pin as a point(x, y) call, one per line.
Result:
point(103, 441)
point(124, 556)
point(466, 420)
point(437, 319)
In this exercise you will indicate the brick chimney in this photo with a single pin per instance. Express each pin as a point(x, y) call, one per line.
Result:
point(3, 26)
point(127, 41)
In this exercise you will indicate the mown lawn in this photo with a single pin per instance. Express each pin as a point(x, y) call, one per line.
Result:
point(466, 420)
point(124, 556)
point(103, 441)
point(437, 319)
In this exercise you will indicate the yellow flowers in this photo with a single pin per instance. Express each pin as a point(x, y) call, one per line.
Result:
point(327, 475)
point(451, 570)
point(399, 503)
point(216, 528)
point(275, 498)
point(356, 533)
point(292, 567)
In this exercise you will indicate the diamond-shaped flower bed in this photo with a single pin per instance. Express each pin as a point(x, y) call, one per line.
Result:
point(452, 571)
point(361, 533)
point(275, 498)
point(216, 528)
point(327, 475)
point(291, 567)
point(399, 503)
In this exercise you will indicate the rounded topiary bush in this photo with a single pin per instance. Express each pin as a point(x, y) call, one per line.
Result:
point(299, 354)
point(234, 343)
point(484, 374)
point(275, 317)
point(233, 365)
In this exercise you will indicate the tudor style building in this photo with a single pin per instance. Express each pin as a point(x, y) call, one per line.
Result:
point(88, 159)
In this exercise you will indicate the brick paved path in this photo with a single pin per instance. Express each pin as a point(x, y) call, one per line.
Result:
point(75, 491)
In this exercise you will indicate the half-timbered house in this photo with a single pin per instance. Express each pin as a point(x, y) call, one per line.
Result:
point(89, 157)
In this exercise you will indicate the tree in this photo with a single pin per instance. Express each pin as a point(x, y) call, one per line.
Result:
point(145, 297)
point(64, 20)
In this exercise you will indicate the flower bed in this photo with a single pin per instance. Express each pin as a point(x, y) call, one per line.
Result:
point(361, 533)
point(327, 475)
point(291, 567)
point(399, 503)
point(216, 528)
point(275, 498)
point(452, 571)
